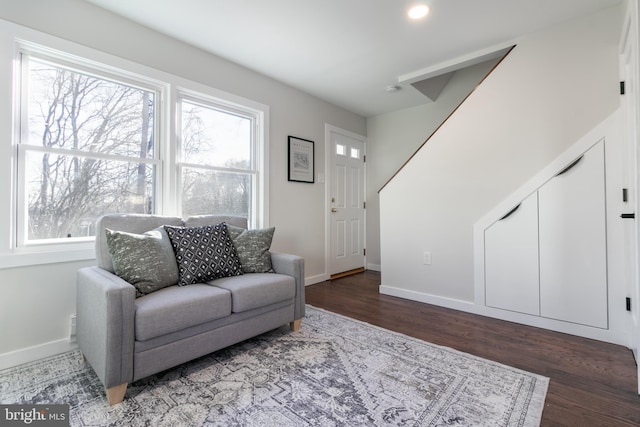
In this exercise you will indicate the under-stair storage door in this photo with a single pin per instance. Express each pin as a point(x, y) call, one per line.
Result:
point(511, 260)
point(573, 257)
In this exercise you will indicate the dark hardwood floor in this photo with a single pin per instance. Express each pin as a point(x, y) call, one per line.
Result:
point(592, 383)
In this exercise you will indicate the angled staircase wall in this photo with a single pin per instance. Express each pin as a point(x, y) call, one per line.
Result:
point(554, 88)
point(392, 139)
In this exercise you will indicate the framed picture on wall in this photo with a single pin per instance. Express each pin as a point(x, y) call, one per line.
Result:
point(301, 161)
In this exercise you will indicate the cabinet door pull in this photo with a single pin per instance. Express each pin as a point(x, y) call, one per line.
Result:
point(510, 212)
point(568, 168)
point(628, 216)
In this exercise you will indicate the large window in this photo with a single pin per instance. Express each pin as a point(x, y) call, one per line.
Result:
point(86, 149)
point(93, 139)
point(218, 168)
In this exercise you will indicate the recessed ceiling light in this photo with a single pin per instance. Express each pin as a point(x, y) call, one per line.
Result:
point(418, 11)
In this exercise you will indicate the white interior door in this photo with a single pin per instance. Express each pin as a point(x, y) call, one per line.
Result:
point(629, 73)
point(346, 201)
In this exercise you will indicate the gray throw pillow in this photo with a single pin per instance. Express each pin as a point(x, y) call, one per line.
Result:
point(203, 253)
point(253, 247)
point(144, 260)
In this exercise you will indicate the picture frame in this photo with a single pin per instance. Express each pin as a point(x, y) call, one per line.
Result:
point(301, 160)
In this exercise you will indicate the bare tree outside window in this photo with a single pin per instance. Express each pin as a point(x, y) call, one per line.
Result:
point(88, 147)
point(88, 150)
point(218, 171)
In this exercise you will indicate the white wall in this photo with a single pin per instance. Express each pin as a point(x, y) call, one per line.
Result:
point(36, 302)
point(394, 137)
point(552, 89)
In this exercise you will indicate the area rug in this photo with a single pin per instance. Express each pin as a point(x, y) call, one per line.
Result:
point(335, 371)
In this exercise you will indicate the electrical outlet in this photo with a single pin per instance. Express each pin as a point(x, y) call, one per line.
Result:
point(72, 331)
point(426, 258)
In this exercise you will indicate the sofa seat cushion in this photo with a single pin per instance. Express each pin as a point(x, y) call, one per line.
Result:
point(178, 307)
point(255, 290)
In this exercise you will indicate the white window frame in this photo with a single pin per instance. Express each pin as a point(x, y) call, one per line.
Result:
point(256, 115)
point(15, 39)
point(59, 60)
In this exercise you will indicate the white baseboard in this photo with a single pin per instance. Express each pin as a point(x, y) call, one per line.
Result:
point(315, 279)
point(29, 354)
point(324, 277)
point(374, 267)
point(427, 298)
point(510, 316)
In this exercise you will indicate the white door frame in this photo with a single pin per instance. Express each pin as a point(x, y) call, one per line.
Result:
point(630, 39)
point(328, 129)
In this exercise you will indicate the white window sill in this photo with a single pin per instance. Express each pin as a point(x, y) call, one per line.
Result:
point(43, 256)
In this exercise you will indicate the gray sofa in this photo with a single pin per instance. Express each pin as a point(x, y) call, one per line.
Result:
point(125, 338)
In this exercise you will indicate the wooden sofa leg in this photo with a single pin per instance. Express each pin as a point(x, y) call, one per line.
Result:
point(296, 325)
point(115, 394)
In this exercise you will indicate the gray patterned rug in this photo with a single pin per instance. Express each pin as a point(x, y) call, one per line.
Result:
point(335, 371)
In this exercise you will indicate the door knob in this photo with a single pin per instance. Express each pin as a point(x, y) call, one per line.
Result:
point(334, 210)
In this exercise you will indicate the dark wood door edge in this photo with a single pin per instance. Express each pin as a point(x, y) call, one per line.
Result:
point(346, 273)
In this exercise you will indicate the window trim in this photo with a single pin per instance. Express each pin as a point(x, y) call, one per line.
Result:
point(69, 53)
point(25, 53)
point(256, 118)
point(195, 91)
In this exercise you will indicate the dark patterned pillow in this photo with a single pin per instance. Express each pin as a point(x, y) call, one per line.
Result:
point(253, 247)
point(203, 253)
point(144, 260)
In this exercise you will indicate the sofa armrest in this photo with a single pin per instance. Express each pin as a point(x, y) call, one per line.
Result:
point(292, 265)
point(105, 324)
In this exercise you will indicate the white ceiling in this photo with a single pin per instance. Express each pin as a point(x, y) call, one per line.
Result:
point(348, 51)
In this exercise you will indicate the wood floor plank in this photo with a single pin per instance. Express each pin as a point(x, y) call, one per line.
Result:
point(592, 383)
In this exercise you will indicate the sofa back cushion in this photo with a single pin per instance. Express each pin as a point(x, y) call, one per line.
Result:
point(202, 220)
point(130, 223)
point(141, 223)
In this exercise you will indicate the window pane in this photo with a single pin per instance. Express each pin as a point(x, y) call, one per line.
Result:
point(66, 194)
point(70, 110)
point(215, 138)
point(211, 192)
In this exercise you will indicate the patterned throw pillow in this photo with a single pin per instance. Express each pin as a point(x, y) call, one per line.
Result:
point(144, 260)
point(203, 253)
point(253, 247)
